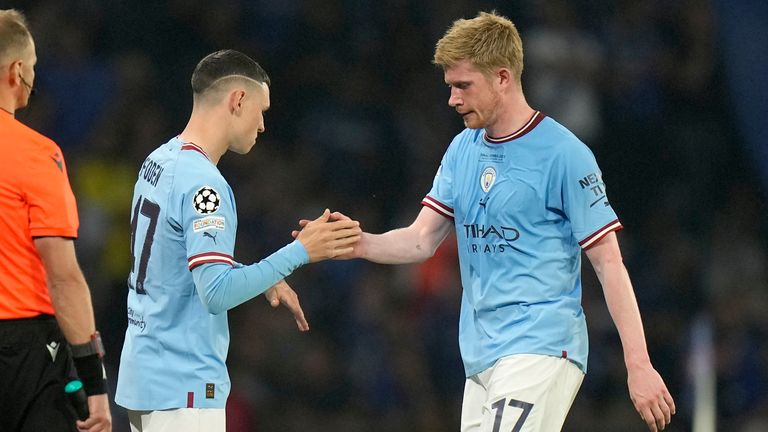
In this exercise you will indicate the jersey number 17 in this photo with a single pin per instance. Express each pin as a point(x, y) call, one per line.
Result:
point(150, 210)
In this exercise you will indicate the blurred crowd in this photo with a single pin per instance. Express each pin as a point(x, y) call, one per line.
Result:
point(359, 122)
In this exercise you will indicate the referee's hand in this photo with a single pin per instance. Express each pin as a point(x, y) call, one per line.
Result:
point(650, 396)
point(100, 419)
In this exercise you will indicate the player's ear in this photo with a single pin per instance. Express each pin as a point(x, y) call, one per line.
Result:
point(235, 101)
point(504, 77)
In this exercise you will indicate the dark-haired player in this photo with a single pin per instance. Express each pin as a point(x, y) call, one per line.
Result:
point(173, 375)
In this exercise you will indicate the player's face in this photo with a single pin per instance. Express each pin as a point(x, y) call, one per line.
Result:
point(473, 95)
point(254, 104)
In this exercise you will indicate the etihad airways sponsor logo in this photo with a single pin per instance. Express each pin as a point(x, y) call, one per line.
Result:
point(493, 238)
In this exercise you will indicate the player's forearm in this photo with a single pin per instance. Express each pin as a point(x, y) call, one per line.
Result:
point(400, 246)
point(622, 305)
point(72, 302)
point(222, 287)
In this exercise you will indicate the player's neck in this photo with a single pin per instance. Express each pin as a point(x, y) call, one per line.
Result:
point(210, 139)
point(511, 116)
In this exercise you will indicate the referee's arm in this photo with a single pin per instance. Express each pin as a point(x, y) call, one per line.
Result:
point(72, 305)
point(69, 292)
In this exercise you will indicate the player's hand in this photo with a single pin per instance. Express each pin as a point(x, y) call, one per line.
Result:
point(281, 292)
point(651, 397)
point(335, 216)
point(324, 238)
point(100, 419)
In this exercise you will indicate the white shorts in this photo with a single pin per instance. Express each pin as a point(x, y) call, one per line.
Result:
point(181, 419)
point(520, 393)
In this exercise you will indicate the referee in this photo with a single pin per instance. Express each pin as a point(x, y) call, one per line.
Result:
point(46, 317)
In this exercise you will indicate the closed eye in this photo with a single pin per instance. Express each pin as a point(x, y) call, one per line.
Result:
point(461, 85)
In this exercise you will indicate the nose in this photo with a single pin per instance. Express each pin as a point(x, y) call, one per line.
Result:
point(455, 99)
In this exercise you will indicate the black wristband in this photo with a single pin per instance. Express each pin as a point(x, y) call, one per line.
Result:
point(91, 371)
point(93, 346)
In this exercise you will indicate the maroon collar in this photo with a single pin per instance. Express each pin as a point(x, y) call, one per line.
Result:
point(535, 119)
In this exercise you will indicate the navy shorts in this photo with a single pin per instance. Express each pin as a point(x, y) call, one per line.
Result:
point(35, 365)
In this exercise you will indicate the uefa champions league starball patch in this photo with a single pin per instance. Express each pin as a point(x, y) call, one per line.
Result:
point(206, 200)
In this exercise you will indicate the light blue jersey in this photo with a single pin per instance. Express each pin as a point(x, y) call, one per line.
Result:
point(523, 207)
point(183, 280)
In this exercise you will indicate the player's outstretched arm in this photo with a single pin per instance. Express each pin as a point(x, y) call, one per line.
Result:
point(647, 390)
point(411, 244)
point(222, 287)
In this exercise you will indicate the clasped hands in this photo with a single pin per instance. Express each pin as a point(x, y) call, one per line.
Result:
point(332, 235)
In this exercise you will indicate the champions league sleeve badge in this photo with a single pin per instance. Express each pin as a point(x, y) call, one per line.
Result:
point(206, 200)
point(487, 178)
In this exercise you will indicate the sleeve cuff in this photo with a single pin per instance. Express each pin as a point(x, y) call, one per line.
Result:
point(437, 206)
point(209, 257)
point(595, 237)
point(53, 232)
point(297, 251)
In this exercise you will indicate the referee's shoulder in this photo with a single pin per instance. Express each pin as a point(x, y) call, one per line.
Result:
point(27, 140)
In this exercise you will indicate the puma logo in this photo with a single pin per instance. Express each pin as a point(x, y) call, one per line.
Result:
point(212, 236)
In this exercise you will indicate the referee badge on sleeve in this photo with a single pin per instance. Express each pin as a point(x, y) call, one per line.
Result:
point(206, 200)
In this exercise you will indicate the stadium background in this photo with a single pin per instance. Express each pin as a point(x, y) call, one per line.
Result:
point(670, 96)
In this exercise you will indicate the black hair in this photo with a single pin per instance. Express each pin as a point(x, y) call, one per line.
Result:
point(222, 64)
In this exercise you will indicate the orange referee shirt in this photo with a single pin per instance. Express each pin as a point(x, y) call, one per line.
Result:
point(36, 201)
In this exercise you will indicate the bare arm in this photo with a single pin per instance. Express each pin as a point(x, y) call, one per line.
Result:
point(411, 244)
point(69, 292)
point(74, 312)
point(647, 390)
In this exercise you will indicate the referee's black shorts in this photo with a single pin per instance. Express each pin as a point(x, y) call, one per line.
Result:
point(35, 365)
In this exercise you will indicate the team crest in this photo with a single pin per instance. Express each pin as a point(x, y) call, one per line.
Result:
point(206, 200)
point(488, 178)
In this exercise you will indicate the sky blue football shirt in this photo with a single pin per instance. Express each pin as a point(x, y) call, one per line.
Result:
point(183, 280)
point(523, 207)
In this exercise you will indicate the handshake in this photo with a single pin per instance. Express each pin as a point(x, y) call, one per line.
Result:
point(332, 235)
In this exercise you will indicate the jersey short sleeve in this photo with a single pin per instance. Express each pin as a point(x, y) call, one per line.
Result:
point(585, 201)
point(441, 197)
point(209, 221)
point(52, 207)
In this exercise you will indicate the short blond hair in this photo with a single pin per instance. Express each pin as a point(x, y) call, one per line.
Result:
point(14, 34)
point(489, 41)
